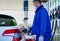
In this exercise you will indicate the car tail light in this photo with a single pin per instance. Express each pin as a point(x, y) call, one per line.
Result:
point(15, 33)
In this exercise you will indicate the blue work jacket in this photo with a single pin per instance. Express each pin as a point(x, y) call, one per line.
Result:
point(41, 24)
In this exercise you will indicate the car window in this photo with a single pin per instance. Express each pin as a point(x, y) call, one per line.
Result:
point(7, 22)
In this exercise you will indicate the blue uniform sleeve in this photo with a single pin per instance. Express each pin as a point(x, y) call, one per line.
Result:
point(43, 25)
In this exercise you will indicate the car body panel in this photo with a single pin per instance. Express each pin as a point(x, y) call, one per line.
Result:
point(6, 38)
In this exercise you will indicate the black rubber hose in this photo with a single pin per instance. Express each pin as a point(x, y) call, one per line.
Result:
point(52, 25)
point(54, 30)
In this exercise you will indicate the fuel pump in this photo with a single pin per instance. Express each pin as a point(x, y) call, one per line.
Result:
point(54, 24)
point(25, 14)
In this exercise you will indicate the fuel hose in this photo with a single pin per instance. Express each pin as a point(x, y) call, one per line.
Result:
point(51, 39)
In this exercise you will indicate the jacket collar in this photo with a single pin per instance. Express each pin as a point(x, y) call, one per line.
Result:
point(39, 8)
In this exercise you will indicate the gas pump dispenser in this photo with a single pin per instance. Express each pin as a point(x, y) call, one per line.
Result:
point(55, 26)
point(25, 13)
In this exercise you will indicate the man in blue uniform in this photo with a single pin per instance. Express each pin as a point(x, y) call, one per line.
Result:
point(41, 24)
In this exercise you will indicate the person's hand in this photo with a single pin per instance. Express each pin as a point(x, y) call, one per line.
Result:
point(41, 38)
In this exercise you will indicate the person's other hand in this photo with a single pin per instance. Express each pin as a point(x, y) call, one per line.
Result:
point(41, 38)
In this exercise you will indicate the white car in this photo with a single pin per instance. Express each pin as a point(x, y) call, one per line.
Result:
point(9, 31)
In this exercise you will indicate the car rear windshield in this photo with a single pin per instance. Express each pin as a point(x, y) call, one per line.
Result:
point(7, 22)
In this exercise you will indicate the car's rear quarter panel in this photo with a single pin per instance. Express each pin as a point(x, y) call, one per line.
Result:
point(4, 28)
